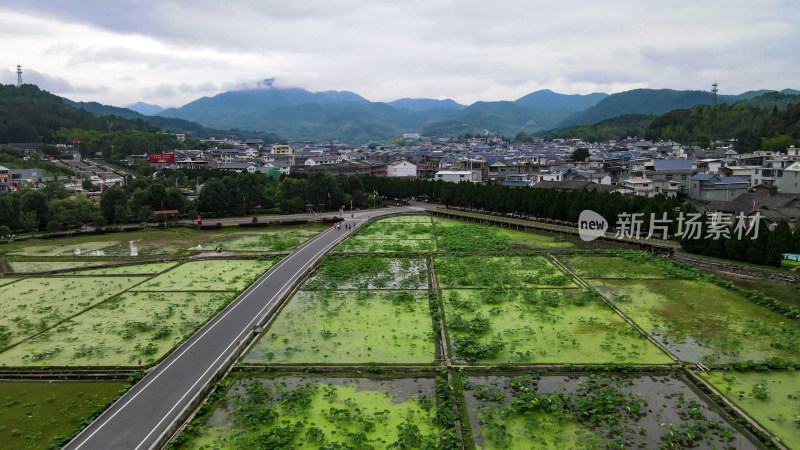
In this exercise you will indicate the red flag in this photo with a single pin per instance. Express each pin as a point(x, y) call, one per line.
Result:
point(329, 195)
point(754, 205)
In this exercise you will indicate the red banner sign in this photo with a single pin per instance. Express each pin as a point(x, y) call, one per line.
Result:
point(161, 157)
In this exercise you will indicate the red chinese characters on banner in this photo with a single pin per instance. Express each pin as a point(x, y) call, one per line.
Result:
point(161, 158)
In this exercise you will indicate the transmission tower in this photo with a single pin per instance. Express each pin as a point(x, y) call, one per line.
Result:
point(714, 90)
point(19, 75)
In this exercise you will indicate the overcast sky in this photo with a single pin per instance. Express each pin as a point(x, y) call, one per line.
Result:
point(172, 52)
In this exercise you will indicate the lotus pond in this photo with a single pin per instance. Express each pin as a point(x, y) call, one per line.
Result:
point(369, 272)
point(210, 275)
point(119, 331)
point(499, 271)
point(561, 326)
point(306, 412)
point(32, 305)
point(35, 414)
point(772, 398)
point(594, 411)
point(702, 322)
point(349, 327)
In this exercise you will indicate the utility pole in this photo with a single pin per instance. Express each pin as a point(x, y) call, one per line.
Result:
point(19, 75)
point(714, 90)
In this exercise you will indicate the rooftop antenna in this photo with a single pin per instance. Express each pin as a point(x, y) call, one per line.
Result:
point(714, 90)
point(19, 75)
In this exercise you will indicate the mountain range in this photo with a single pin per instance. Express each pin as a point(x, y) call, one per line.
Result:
point(299, 114)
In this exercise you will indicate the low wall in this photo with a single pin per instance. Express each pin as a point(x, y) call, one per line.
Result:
point(719, 266)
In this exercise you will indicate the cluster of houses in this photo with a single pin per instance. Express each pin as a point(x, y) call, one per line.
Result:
point(714, 179)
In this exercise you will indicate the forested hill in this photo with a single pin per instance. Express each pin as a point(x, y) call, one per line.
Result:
point(767, 122)
point(754, 128)
point(28, 114)
point(616, 128)
point(174, 125)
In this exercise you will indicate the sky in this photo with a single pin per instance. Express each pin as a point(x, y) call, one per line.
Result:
point(172, 52)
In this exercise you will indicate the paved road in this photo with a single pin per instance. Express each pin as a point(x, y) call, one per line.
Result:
point(148, 411)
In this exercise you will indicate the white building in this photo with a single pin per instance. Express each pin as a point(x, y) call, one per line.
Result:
point(457, 176)
point(650, 188)
point(402, 169)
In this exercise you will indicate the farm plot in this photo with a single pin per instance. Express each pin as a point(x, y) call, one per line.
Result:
point(47, 266)
point(363, 245)
point(593, 411)
point(209, 275)
point(614, 267)
point(79, 246)
point(149, 269)
point(385, 229)
point(562, 326)
point(532, 241)
point(35, 414)
point(499, 271)
point(34, 304)
point(119, 331)
point(280, 238)
point(7, 280)
point(301, 412)
point(771, 398)
point(701, 322)
point(349, 327)
point(457, 236)
point(369, 272)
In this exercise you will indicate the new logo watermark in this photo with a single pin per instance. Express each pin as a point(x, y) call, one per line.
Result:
point(591, 225)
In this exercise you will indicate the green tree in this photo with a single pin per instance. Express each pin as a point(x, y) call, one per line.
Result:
point(38, 203)
point(110, 200)
point(53, 226)
point(581, 154)
point(212, 198)
point(780, 241)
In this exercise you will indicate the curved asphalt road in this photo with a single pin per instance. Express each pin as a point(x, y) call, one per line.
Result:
point(150, 410)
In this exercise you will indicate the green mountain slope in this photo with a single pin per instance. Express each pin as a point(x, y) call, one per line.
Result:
point(616, 128)
point(547, 100)
point(425, 104)
point(28, 114)
point(506, 118)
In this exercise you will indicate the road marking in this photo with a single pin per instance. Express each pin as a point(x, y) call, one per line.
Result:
point(217, 320)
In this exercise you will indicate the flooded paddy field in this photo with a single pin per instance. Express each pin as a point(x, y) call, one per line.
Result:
point(541, 326)
point(177, 241)
point(499, 271)
point(36, 414)
point(594, 411)
point(702, 322)
point(319, 412)
point(349, 327)
point(770, 397)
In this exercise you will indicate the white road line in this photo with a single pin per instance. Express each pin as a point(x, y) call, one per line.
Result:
point(217, 321)
point(245, 330)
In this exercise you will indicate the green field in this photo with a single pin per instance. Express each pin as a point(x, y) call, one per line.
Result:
point(504, 271)
point(46, 266)
point(559, 326)
point(149, 269)
point(594, 411)
point(170, 241)
point(369, 272)
point(120, 331)
point(612, 267)
point(209, 275)
point(771, 398)
point(33, 304)
point(349, 327)
point(33, 413)
point(363, 245)
point(334, 413)
point(702, 322)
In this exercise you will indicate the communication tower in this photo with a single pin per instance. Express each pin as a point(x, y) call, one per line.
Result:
point(714, 90)
point(19, 75)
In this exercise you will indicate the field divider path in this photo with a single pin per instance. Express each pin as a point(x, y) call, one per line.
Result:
point(619, 312)
point(70, 317)
point(149, 413)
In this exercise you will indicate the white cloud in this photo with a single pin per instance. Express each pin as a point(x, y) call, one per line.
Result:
point(171, 52)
